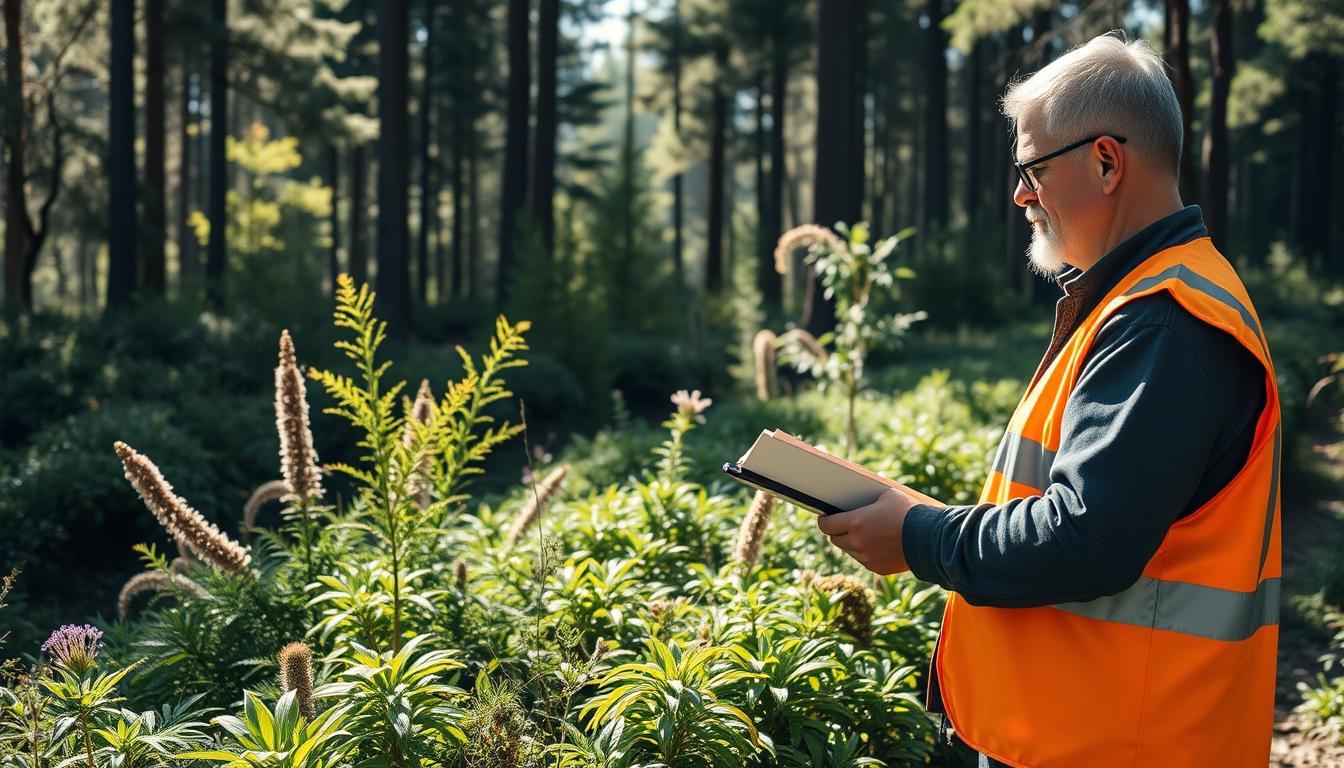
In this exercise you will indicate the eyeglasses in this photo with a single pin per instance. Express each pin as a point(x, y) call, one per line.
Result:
point(1029, 179)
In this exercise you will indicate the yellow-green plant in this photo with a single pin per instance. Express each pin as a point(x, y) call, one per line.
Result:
point(280, 737)
point(850, 270)
point(397, 447)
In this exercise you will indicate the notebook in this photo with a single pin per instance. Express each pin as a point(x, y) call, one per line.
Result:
point(784, 466)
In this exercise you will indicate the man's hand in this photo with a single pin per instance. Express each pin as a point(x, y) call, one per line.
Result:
point(872, 534)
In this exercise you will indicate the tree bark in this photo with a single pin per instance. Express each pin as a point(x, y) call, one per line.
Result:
point(428, 196)
point(838, 186)
point(714, 216)
point(1176, 36)
point(358, 250)
point(188, 255)
point(18, 225)
point(155, 200)
point(774, 199)
point(971, 189)
point(1215, 140)
point(543, 168)
point(514, 193)
point(394, 286)
point(473, 209)
point(334, 181)
point(454, 288)
point(678, 201)
point(216, 254)
point(934, 77)
point(767, 280)
point(121, 157)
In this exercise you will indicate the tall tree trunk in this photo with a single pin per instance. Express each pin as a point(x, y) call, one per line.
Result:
point(935, 122)
point(216, 255)
point(428, 196)
point(678, 201)
point(156, 186)
point(768, 280)
point(454, 288)
point(188, 255)
point(628, 157)
point(718, 129)
point(1328, 103)
point(838, 189)
point(85, 266)
point(514, 193)
point(473, 209)
point(1312, 215)
point(543, 168)
point(1176, 36)
point(973, 183)
point(394, 283)
point(1215, 140)
point(358, 250)
point(334, 181)
point(774, 198)
point(121, 157)
point(18, 225)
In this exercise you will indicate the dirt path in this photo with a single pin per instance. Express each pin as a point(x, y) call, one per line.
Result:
point(1313, 529)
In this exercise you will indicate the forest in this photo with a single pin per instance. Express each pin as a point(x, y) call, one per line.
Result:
point(367, 368)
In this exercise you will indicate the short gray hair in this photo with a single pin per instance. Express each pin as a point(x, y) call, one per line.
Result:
point(1106, 85)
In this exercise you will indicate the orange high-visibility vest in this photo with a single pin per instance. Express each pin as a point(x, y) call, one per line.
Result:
point(1176, 670)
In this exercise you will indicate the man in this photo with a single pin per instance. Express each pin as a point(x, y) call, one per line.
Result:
point(1114, 595)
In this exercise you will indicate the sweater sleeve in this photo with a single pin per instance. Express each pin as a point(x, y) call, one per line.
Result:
point(1137, 434)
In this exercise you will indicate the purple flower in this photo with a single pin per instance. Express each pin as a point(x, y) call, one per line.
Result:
point(74, 647)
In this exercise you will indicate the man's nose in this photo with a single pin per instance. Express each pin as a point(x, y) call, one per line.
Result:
point(1023, 196)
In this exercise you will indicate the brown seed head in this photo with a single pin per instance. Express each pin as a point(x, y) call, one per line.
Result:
point(751, 536)
point(177, 517)
point(296, 674)
point(763, 349)
point(856, 607)
point(298, 460)
point(802, 237)
point(154, 581)
point(536, 505)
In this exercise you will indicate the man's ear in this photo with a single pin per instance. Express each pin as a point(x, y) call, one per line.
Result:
point(1109, 161)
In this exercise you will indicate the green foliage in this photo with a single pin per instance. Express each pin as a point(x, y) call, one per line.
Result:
point(280, 737)
point(850, 269)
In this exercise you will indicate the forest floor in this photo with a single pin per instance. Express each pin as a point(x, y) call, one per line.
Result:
point(1313, 530)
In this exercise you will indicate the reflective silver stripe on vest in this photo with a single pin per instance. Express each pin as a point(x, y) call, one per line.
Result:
point(1206, 286)
point(1191, 609)
point(1273, 496)
point(1024, 461)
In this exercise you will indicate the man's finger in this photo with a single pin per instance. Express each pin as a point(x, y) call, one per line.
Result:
point(836, 524)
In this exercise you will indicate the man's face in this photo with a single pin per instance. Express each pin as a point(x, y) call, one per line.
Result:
point(1060, 207)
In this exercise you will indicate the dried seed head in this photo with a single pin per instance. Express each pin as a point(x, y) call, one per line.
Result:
point(296, 674)
point(267, 491)
point(154, 581)
point(751, 536)
point(177, 517)
point(856, 607)
point(808, 342)
point(536, 505)
point(802, 237)
point(298, 460)
point(763, 349)
point(460, 575)
point(421, 412)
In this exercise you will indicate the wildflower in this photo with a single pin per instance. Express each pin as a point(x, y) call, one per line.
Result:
point(691, 404)
point(856, 606)
point(537, 504)
point(296, 674)
point(74, 648)
point(154, 581)
point(177, 517)
point(267, 491)
point(298, 460)
point(422, 411)
point(751, 537)
point(803, 236)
